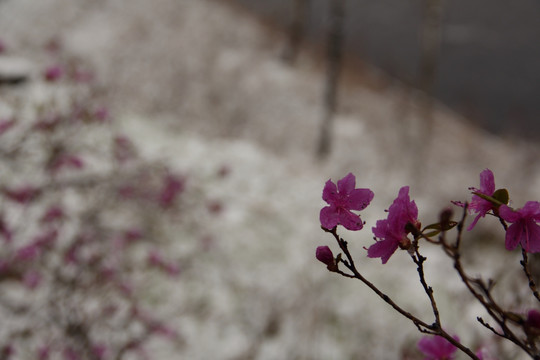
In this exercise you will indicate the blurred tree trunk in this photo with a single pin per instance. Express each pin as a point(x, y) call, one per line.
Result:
point(431, 34)
point(334, 62)
point(429, 58)
point(296, 30)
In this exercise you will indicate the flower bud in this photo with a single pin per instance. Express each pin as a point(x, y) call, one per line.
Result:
point(324, 255)
point(532, 324)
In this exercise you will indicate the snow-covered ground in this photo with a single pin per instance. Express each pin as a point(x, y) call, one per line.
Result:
point(200, 85)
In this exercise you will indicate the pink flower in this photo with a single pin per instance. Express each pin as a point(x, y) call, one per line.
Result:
point(6, 352)
point(524, 228)
point(22, 195)
point(342, 199)
point(99, 351)
point(52, 73)
point(393, 231)
point(43, 352)
point(479, 205)
point(155, 259)
point(173, 186)
point(53, 213)
point(437, 348)
point(5, 125)
point(28, 253)
point(123, 149)
point(164, 331)
point(48, 123)
point(101, 114)
point(66, 161)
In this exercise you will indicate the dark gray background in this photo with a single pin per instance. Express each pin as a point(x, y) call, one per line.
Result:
point(489, 68)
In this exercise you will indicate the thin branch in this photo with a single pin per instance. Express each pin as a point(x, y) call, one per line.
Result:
point(419, 261)
point(525, 264)
point(485, 298)
point(423, 327)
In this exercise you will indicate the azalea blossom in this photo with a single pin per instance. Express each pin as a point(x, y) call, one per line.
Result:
point(53, 73)
point(342, 199)
point(479, 205)
point(23, 194)
point(173, 186)
point(393, 231)
point(437, 348)
point(5, 125)
point(524, 228)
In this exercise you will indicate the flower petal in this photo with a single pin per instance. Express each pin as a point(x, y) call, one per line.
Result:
point(508, 214)
point(347, 184)
point(383, 249)
point(474, 222)
point(350, 220)
point(402, 211)
point(533, 236)
point(324, 255)
point(487, 182)
point(380, 230)
point(329, 217)
point(513, 236)
point(429, 347)
point(329, 192)
point(359, 199)
point(437, 347)
point(530, 209)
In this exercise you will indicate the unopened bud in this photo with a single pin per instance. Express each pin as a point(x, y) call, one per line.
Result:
point(324, 255)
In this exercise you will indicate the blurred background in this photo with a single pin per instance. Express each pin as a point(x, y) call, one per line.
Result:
point(488, 51)
point(188, 142)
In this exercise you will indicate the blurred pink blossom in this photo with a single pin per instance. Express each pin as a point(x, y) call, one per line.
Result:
point(123, 149)
point(53, 73)
point(172, 187)
point(5, 125)
point(43, 352)
point(53, 213)
point(66, 161)
point(48, 123)
point(102, 114)
point(23, 194)
point(28, 253)
point(437, 348)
